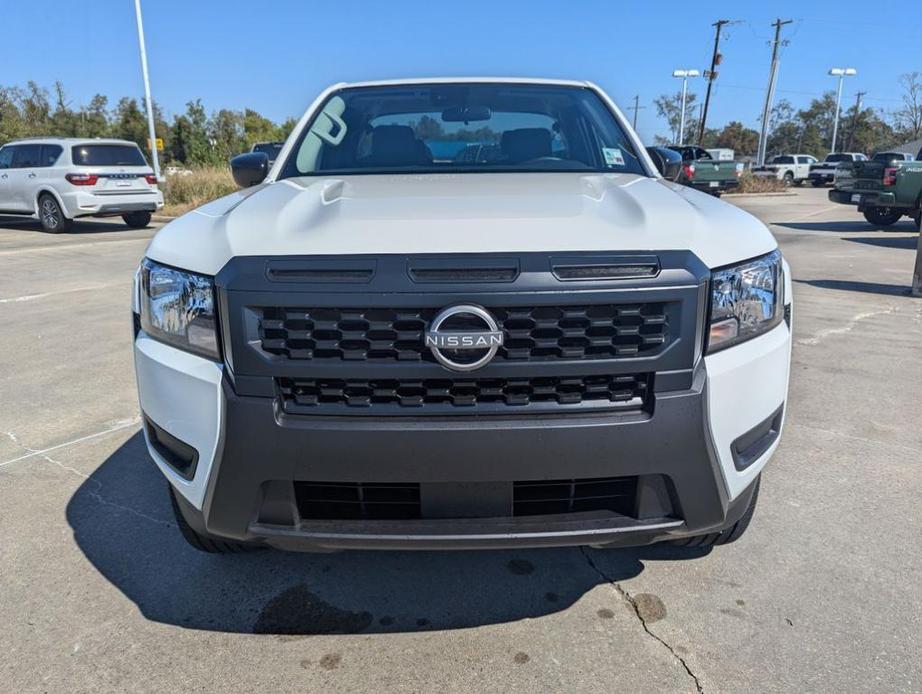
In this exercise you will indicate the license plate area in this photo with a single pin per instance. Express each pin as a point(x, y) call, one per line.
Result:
point(856, 197)
point(714, 184)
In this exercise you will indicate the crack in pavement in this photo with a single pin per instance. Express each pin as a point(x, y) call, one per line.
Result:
point(93, 493)
point(627, 597)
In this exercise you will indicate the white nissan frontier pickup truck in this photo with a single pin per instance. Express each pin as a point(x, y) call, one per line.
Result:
point(462, 313)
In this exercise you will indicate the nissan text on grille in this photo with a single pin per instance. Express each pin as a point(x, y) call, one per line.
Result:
point(458, 314)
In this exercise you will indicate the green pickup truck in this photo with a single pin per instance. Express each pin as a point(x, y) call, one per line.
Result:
point(885, 188)
point(700, 170)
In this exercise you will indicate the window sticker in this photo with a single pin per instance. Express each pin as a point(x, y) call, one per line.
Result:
point(613, 156)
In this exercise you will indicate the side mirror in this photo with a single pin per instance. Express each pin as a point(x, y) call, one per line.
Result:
point(666, 161)
point(250, 168)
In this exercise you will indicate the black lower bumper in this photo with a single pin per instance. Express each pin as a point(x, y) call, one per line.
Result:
point(723, 186)
point(466, 470)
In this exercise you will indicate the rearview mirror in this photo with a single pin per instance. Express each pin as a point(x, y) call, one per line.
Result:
point(250, 168)
point(466, 114)
point(668, 162)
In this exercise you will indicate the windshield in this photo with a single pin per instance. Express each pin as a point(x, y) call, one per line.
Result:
point(839, 157)
point(888, 156)
point(449, 128)
point(107, 155)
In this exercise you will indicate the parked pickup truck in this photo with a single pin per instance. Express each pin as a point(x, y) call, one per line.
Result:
point(824, 172)
point(790, 168)
point(885, 188)
point(700, 170)
point(372, 346)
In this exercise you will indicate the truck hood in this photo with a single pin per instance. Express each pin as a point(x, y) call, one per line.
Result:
point(460, 213)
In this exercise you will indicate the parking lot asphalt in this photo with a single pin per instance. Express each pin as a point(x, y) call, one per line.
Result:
point(98, 591)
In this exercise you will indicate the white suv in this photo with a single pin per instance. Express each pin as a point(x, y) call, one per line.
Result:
point(59, 179)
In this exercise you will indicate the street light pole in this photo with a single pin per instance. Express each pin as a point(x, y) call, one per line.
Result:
point(841, 73)
point(150, 106)
point(684, 74)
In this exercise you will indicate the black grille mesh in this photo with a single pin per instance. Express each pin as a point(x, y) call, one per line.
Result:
point(546, 332)
point(453, 395)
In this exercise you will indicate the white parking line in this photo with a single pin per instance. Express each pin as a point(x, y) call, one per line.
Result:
point(134, 421)
point(33, 297)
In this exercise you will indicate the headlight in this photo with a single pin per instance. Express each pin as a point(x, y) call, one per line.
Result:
point(746, 301)
point(177, 307)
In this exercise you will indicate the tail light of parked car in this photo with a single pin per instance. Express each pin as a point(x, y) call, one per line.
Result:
point(79, 179)
point(689, 170)
point(739, 170)
point(890, 176)
point(150, 178)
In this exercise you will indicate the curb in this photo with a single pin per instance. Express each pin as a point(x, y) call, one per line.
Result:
point(760, 195)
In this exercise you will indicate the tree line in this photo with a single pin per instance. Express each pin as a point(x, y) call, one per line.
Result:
point(807, 130)
point(192, 138)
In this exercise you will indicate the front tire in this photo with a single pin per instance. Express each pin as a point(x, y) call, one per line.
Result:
point(52, 216)
point(819, 184)
point(882, 216)
point(202, 541)
point(137, 220)
point(729, 534)
point(788, 179)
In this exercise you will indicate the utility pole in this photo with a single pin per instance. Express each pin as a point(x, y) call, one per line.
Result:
point(711, 76)
point(636, 108)
point(851, 133)
point(770, 93)
point(155, 160)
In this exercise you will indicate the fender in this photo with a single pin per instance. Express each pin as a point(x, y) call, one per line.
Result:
point(48, 189)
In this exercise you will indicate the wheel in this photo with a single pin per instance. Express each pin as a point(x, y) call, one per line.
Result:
point(51, 215)
point(788, 179)
point(203, 542)
point(137, 220)
point(729, 534)
point(882, 216)
point(819, 184)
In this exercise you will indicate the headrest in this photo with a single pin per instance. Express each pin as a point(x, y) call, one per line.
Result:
point(525, 144)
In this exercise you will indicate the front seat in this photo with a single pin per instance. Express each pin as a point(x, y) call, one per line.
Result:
point(396, 145)
point(525, 144)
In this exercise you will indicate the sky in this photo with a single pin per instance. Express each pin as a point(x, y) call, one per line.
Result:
point(276, 55)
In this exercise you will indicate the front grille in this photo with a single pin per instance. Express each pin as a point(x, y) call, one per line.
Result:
point(459, 395)
point(536, 333)
point(351, 500)
point(616, 494)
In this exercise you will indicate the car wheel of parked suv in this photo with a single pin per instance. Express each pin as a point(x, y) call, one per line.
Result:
point(52, 216)
point(788, 179)
point(882, 216)
point(137, 220)
point(731, 533)
point(200, 540)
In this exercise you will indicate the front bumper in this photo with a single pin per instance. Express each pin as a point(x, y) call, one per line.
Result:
point(250, 455)
point(822, 176)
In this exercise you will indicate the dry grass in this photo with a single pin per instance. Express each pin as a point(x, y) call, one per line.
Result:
point(184, 192)
point(759, 184)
